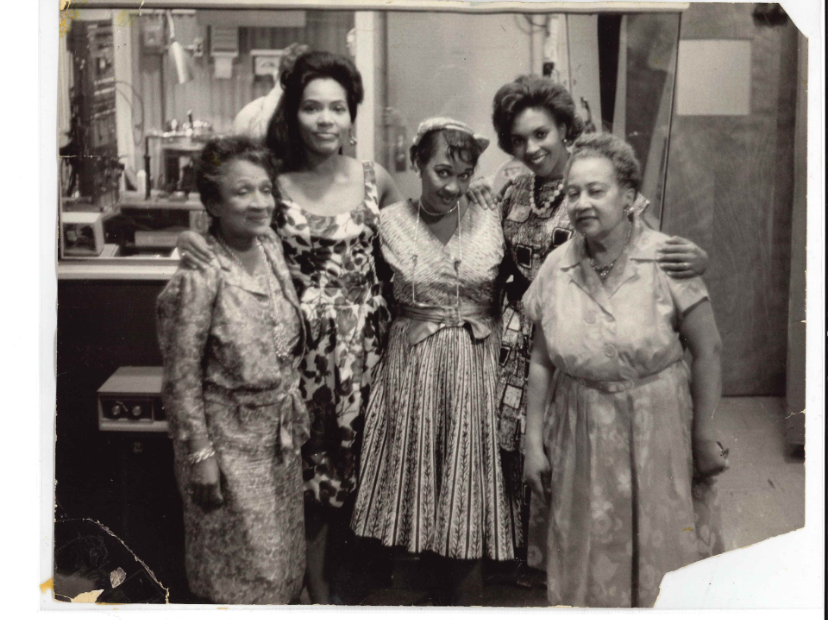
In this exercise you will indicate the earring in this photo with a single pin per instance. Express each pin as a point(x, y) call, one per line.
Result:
point(351, 139)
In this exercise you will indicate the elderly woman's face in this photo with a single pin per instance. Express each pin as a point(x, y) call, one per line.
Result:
point(537, 141)
point(444, 179)
point(594, 199)
point(323, 116)
point(247, 203)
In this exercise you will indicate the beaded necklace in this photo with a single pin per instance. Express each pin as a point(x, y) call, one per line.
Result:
point(545, 207)
point(281, 340)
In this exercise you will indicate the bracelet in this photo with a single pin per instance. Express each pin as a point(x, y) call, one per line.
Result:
point(202, 455)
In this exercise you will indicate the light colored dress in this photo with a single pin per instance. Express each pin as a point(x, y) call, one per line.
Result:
point(331, 260)
point(230, 343)
point(535, 222)
point(431, 478)
point(618, 429)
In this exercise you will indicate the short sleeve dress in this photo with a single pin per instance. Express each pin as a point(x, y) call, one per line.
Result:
point(618, 429)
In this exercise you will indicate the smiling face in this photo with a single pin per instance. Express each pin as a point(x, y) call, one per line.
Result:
point(323, 116)
point(594, 199)
point(444, 179)
point(537, 141)
point(247, 201)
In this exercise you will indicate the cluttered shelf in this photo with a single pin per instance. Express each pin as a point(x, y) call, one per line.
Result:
point(133, 239)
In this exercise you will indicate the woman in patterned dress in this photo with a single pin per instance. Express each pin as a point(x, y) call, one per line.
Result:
point(231, 337)
point(328, 220)
point(535, 119)
point(629, 426)
point(430, 479)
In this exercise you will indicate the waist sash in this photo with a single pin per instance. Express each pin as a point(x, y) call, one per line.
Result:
point(292, 414)
point(428, 320)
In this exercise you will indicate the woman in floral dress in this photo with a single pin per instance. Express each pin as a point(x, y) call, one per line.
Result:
point(328, 220)
point(231, 336)
point(618, 426)
point(535, 120)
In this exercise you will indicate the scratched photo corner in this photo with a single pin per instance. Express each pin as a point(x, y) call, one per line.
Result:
point(424, 304)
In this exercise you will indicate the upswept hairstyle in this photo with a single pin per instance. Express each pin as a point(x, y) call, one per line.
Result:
point(283, 137)
point(211, 164)
point(461, 145)
point(613, 148)
point(531, 91)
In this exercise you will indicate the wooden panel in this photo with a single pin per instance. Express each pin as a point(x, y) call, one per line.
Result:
point(729, 188)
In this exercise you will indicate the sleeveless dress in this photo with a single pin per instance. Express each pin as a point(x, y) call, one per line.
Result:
point(431, 478)
point(331, 260)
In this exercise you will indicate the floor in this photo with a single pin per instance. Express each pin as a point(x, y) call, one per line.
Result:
point(762, 495)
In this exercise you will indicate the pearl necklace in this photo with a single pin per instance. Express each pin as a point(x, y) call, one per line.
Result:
point(604, 271)
point(281, 342)
point(545, 207)
point(457, 261)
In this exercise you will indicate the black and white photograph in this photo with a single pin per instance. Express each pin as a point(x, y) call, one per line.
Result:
point(431, 305)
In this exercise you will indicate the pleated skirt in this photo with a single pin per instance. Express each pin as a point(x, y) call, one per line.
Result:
point(431, 478)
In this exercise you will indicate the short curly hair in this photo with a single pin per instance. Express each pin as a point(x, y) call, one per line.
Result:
point(210, 166)
point(613, 148)
point(531, 91)
point(283, 137)
point(461, 145)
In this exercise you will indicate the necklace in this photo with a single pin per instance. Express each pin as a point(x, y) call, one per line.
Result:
point(545, 207)
point(604, 271)
point(435, 213)
point(457, 261)
point(281, 338)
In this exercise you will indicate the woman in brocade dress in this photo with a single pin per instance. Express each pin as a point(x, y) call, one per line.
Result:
point(430, 478)
point(328, 221)
point(535, 120)
point(231, 339)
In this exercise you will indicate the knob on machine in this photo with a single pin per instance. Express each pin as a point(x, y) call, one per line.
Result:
point(130, 401)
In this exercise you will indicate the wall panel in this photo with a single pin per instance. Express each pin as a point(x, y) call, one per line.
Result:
point(730, 189)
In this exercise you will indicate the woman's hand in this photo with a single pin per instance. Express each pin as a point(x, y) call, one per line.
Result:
point(681, 258)
point(480, 193)
point(536, 472)
point(204, 484)
point(709, 457)
point(195, 253)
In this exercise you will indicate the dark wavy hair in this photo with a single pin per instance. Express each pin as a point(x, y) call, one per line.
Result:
point(210, 167)
point(613, 148)
point(283, 137)
point(531, 91)
point(461, 144)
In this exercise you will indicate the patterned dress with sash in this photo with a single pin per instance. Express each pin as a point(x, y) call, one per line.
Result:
point(431, 478)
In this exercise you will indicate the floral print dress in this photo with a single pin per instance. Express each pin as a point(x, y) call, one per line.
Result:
point(534, 223)
point(331, 260)
point(618, 428)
